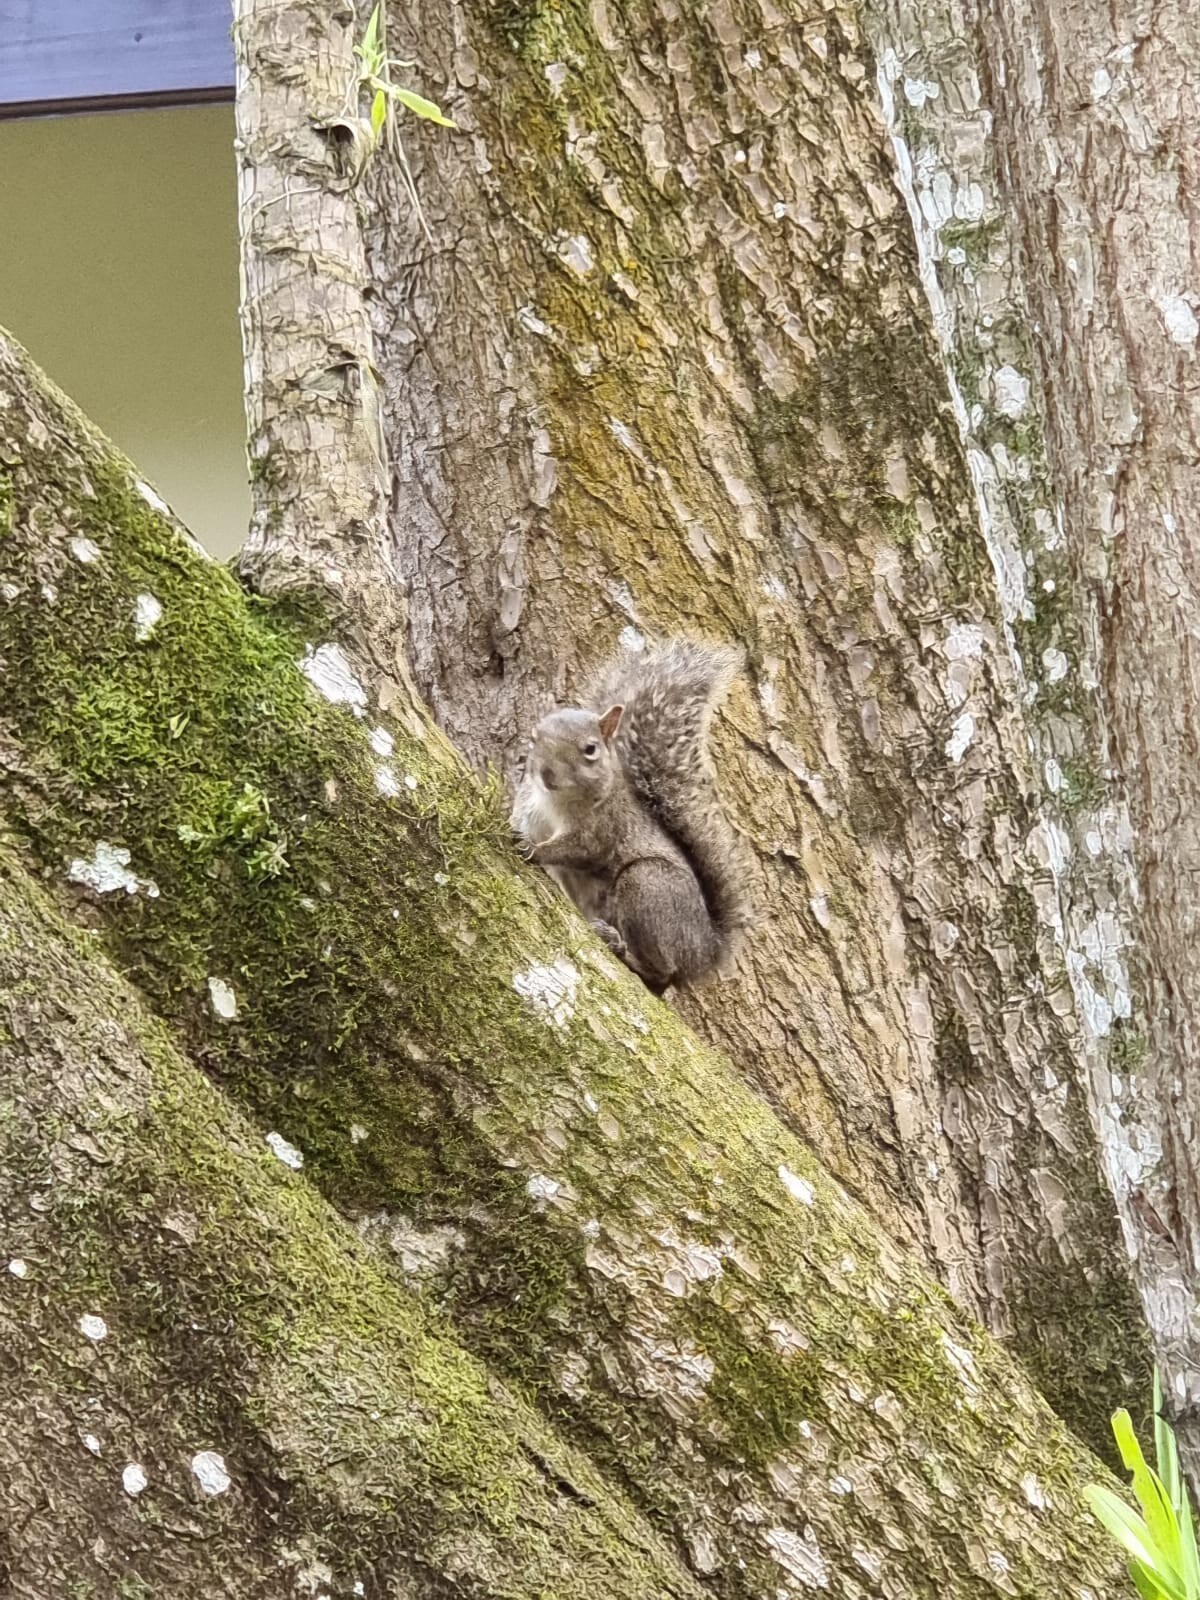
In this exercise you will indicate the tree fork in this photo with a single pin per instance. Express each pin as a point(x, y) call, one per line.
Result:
point(671, 365)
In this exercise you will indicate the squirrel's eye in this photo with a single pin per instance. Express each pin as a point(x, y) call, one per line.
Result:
point(592, 749)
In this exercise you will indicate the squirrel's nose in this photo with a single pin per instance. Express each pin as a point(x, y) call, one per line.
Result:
point(548, 779)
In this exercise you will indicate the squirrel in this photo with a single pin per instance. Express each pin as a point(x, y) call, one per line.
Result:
point(618, 802)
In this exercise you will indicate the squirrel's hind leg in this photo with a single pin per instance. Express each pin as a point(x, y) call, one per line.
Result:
point(616, 943)
point(611, 938)
point(661, 914)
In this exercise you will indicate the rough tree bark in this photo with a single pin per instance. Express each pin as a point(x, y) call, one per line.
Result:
point(1063, 250)
point(320, 911)
point(316, 447)
point(670, 363)
point(1098, 125)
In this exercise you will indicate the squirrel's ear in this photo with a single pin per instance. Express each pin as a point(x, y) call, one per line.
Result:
point(611, 721)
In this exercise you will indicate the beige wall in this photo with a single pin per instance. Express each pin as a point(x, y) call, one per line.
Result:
point(118, 271)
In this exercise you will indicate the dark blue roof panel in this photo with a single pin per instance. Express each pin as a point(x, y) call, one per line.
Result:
point(91, 51)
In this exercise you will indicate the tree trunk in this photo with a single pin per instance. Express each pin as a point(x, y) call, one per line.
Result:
point(317, 455)
point(1096, 119)
point(320, 909)
point(669, 364)
point(1098, 123)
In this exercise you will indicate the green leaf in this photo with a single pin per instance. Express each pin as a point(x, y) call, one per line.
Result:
point(378, 112)
point(421, 107)
point(1131, 1533)
point(370, 43)
point(1166, 1455)
point(1159, 1513)
point(1146, 1584)
point(1160, 1543)
point(1189, 1560)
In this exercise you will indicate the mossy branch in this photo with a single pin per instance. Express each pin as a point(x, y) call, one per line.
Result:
point(136, 1197)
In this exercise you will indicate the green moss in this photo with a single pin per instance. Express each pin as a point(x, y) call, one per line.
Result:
point(967, 363)
point(536, 31)
point(1083, 787)
point(231, 1288)
point(952, 1050)
point(1127, 1047)
point(1052, 623)
point(757, 1397)
point(1019, 926)
point(902, 526)
point(267, 469)
point(1073, 1372)
point(975, 239)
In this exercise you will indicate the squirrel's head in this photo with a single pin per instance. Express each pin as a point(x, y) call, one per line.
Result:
point(572, 756)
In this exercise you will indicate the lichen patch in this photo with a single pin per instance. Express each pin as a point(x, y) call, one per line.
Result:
point(109, 871)
point(285, 1152)
point(963, 1362)
point(147, 614)
point(799, 1188)
point(152, 498)
point(552, 990)
point(331, 674)
point(223, 999)
point(1010, 391)
point(1179, 319)
point(208, 1468)
point(961, 735)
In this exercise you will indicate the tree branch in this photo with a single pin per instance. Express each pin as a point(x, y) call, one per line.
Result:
point(353, 1437)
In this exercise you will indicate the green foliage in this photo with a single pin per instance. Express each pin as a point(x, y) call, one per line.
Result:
point(1160, 1542)
point(375, 76)
point(243, 820)
point(373, 81)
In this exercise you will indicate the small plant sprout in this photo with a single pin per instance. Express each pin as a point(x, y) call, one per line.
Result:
point(1160, 1543)
point(244, 823)
point(373, 80)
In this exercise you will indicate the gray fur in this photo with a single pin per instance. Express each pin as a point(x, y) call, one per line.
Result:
point(632, 826)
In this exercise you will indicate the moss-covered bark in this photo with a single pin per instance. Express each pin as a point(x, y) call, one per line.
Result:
point(319, 905)
point(362, 1450)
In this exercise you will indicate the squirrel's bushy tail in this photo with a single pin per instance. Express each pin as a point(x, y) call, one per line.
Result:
point(669, 693)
